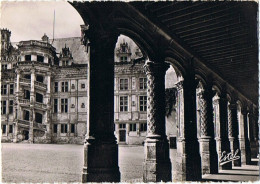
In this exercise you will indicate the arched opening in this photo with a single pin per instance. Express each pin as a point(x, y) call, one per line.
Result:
point(130, 107)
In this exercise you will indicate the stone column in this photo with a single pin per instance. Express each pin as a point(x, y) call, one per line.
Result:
point(233, 133)
point(32, 101)
point(243, 138)
point(157, 165)
point(100, 148)
point(209, 158)
point(223, 145)
point(188, 161)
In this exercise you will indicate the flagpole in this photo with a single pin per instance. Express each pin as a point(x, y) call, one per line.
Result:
point(53, 26)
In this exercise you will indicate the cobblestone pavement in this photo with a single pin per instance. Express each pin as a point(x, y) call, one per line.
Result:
point(63, 163)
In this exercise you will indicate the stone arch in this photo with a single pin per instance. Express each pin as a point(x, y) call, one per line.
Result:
point(176, 61)
point(202, 77)
point(140, 42)
point(217, 89)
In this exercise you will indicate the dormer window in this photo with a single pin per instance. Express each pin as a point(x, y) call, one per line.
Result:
point(65, 63)
point(123, 58)
point(123, 49)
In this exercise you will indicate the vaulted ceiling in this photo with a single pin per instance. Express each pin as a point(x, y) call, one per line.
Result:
point(222, 34)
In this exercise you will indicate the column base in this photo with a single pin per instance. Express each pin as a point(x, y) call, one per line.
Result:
point(234, 146)
point(254, 149)
point(100, 175)
point(188, 161)
point(209, 157)
point(100, 161)
point(15, 139)
point(224, 147)
point(157, 164)
point(245, 152)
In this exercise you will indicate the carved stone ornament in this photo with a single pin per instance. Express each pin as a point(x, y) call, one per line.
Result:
point(155, 82)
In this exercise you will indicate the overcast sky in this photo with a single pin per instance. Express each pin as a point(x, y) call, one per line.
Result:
point(30, 20)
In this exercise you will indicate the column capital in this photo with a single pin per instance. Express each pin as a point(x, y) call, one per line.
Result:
point(17, 70)
point(179, 85)
point(49, 73)
point(205, 93)
point(244, 111)
point(151, 67)
point(99, 38)
point(232, 106)
point(216, 99)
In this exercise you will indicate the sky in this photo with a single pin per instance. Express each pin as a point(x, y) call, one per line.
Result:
point(30, 20)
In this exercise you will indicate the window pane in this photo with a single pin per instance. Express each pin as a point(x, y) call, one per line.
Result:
point(123, 84)
point(72, 128)
point(27, 57)
point(11, 106)
point(10, 128)
point(11, 89)
point(55, 128)
point(4, 129)
point(56, 87)
point(40, 58)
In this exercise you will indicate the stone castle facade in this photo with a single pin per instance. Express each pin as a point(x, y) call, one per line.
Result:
point(44, 89)
point(43, 94)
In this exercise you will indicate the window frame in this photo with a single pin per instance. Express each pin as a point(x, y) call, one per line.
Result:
point(64, 128)
point(122, 125)
point(132, 127)
point(143, 103)
point(4, 66)
point(11, 89)
point(27, 59)
point(4, 129)
point(142, 83)
point(55, 128)
point(3, 89)
point(72, 125)
point(56, 87)
point(65, 86)
point(143, 127)
point(123, 103)
point(40, 58)
point(3, 107)
point(123, 84)
point(11, 106)
point(55, 105)
point(10, 131)
point(64, 105)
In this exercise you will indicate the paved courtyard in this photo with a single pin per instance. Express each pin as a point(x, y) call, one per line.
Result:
point(59, 163)
point(63, 163)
